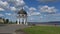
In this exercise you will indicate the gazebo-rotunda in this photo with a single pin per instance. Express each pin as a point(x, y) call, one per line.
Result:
point(22, 17)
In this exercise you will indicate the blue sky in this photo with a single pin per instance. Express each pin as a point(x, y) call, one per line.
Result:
point(37, 10)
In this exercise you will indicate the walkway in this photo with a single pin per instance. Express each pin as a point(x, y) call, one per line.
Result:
point(9, 29)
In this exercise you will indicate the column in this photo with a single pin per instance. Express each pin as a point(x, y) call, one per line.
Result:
point(24, 21)
point(17, 21)
point(20, 20)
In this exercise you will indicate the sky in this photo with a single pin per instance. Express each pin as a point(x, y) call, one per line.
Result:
point(37, 10)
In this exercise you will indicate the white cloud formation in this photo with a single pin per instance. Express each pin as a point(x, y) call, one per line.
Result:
point(48, 9)
point(11, 4)
point(48, 0)
point(9, 14)
point(26, 7)
point(20, 3)
point(17, 3)
point(1, 15)
point(13, 9)
point(58, 14)
point(35, 13)
point(41, 17)
point(32, 9)
point(32, 19)
point(1, 9)
point(4, 4)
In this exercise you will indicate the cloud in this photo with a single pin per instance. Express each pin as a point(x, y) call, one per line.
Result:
point(1, 9)
point(4, 4)
point(20, 3)
point(12, 5)
point(48, 1)
point(9, 14)
point(17, 3)
point(1, 15)
point(41, 17)
point(58, 14)
point(32, 9)
point(35, 13)
point(26, 7)
point(13, 9)
point(31, 19)
point(48, 9)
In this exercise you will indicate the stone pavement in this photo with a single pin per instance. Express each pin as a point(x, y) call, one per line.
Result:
point(10, 28)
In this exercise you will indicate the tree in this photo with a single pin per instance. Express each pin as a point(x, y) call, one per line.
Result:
point(6, 21)
point(1, 20)
point(16, 22)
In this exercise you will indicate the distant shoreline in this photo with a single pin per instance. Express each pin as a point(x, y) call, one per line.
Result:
point(46, 25)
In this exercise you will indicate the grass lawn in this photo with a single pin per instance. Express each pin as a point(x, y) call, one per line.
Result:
point(42, 30)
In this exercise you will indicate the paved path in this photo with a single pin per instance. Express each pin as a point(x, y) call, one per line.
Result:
point(8, 29)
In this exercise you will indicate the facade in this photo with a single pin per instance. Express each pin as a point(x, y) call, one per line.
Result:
point(22, 17)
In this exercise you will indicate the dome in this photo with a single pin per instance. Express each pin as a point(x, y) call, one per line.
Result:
point(22, 12)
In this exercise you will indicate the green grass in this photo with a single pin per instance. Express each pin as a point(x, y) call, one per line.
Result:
point(42, 30)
